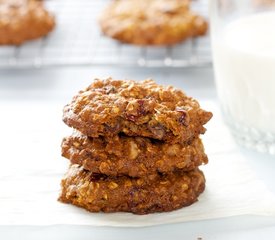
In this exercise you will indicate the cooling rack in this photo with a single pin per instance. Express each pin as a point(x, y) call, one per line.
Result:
point(77, 41)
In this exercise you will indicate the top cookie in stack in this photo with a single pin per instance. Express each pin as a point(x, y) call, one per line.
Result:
point(109, 107)
point(135, 148)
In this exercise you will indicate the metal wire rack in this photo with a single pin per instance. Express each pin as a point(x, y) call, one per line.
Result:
point(77, 40)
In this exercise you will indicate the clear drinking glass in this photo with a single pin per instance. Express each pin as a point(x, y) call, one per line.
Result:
point(243, 43)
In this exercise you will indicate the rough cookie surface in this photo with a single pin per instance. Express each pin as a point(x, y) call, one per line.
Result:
point(108, 107)
point(132, 156)
point(154, 22)
point(161, 193)
point(22, 20)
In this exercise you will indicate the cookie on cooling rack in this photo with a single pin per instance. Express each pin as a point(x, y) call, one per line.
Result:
point(132, 156)
point(22, 20)
point(154, 22)
point(109, 107)
point(161, 193)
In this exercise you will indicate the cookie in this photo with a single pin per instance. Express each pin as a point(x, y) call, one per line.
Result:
point(109, 107)
point(264, 3)
point(132, 156)
point(154, 22)
point(161, 193)
point(22, 20)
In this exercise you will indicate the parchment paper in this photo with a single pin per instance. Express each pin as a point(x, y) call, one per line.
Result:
point(30, 177)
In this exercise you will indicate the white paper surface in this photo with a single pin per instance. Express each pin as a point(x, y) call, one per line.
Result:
point(31, 170)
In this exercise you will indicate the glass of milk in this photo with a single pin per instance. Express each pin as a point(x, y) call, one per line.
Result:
point(243, 43)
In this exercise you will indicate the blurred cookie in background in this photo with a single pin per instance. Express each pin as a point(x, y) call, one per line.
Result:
point(265, 3)
point(22, 20)
point(155, 22)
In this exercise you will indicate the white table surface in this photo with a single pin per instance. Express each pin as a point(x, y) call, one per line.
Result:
point(57, 86)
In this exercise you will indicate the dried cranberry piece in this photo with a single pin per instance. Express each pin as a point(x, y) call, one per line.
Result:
point(184, 118)
point(141, 109)
point(131, 117)
point(158, 131)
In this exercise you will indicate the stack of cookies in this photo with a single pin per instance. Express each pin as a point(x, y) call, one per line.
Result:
point(135, 148)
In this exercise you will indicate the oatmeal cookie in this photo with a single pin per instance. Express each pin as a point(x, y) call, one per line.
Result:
point(132, 156)
point(154, 22)
point(22, 20)
point(108, 107)
point(161, 193)
point(264, 3)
